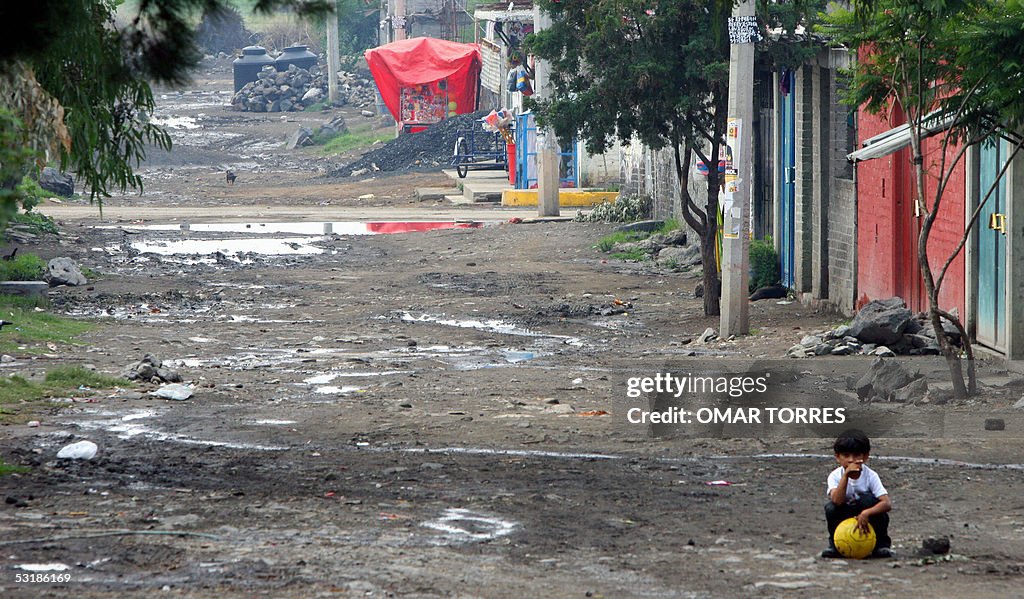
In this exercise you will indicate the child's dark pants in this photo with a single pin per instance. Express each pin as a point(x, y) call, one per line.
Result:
point(835, 514)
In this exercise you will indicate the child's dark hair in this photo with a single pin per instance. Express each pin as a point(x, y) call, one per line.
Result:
point(852, 441)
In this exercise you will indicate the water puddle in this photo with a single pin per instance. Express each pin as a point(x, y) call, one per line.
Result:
point(271, 422)
point(125, 428)
point(175, 122)
point(231, 249)
point(489, 326)
point(331, 390)
point(55, 567)
point(463, 526)
point(310, 228)
point(323, 379)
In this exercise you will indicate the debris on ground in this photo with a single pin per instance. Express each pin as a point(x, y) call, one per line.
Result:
point(82, 450)
point(151, 370)
point(297, 89)
point(64, 271)
point(430, 148)
point(176, 392)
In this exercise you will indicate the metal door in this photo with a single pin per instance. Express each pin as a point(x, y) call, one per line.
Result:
point(787, 178)
point(991, 246)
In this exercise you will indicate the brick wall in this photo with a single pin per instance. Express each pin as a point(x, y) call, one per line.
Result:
point(804, 193)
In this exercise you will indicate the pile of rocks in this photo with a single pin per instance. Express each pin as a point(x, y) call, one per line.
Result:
point(426, 149)
point(298, 88)
point(151, 370)
point(882, 328)
point(887, 380)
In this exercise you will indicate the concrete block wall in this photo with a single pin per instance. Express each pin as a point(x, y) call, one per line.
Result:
point(804, 193)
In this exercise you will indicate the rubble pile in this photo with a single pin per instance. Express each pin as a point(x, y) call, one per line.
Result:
point(882, 328)
point(431, 148)
point(298, 89)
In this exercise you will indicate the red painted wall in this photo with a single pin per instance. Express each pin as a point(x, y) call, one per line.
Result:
point(887, 228)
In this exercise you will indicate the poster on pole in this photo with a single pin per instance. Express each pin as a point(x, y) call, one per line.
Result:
point(732, 178)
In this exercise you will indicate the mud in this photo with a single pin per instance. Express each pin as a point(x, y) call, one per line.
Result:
point(421, 415)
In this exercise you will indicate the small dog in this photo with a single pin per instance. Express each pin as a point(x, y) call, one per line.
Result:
point(230, 176)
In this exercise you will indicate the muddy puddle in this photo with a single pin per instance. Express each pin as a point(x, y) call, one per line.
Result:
point(490, 326)
point(310, 228)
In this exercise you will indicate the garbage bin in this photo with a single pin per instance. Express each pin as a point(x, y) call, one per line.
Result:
point(297, 55)
point(247, 67)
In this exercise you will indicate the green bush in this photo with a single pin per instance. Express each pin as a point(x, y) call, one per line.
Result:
point(625, 209)
point(24, 267)
point(764, 264)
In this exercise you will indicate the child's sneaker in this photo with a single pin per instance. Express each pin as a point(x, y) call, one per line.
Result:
point(831, 553)
point(882, 553)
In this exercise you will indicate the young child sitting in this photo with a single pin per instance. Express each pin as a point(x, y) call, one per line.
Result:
point(855, 491)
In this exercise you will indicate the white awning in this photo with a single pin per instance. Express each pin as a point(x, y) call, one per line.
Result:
point(525, 16)
point(897, 138)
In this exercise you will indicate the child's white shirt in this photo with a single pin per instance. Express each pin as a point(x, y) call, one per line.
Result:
point(855, 488)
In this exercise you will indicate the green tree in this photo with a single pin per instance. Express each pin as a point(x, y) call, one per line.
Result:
point(956, 62)
point(655, 71)
point(76, 84)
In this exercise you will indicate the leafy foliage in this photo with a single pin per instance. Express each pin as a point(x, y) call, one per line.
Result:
point(24, 267)
point(764, 264)
point(76, 85)
point(625, 209)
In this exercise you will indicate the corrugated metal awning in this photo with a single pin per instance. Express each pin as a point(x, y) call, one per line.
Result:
point(897, 138)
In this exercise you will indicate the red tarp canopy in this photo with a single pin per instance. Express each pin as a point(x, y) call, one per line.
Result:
point(425, 60)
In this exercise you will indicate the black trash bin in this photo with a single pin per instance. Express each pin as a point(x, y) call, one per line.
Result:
point(248, 66)
point(297, 55)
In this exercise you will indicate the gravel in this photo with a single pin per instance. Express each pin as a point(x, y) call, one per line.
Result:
point(427, 149)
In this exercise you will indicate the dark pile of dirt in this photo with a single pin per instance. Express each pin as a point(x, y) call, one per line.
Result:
point(427, 149)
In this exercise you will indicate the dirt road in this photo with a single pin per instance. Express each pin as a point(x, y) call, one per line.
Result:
point(439, 413)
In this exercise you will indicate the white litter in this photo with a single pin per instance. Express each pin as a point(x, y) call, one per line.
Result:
point(176, 391)
point(83, 450)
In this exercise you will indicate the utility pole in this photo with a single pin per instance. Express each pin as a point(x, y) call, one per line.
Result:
point(332, 55)
point(399, 20)
point(743, 34)
point(547, 144)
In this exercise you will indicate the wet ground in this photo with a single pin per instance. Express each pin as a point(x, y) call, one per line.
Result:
point(438, 412)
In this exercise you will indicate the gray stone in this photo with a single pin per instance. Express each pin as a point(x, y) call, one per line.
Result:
point(881, 321)
point(995, 424)
point(334, 127)
point(822, 349)
point(302, 137)
point(912, 393)
point(24, 288)
point(687, 255)
point(882, 352)
point(882, 379)
point(1020, 404)
point(671, 238)
point(368, 113)
point(841, 331)
point(799, 351)
point(7, 359)
point(64, 271)
point(708, 335)
point(810, 340)
point(57, 182)
point(935, 545)
point(168, 375)
point(843, 350)
point(312, 96)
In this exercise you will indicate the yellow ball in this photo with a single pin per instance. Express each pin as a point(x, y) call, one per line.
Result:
point(851, 542)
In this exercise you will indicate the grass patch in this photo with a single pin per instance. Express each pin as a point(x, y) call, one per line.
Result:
point(24, 267)
point(353, 141)
point(6, 468)
point(35, 222)
point(73, 377)
point(634, 255)
point(32, 329)
point(608, 242)
point(19, 393)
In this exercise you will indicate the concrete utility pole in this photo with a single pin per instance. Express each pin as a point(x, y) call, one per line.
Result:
point(399, 20)
point(547, 144)
point(743, 33)
point(332, 56)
